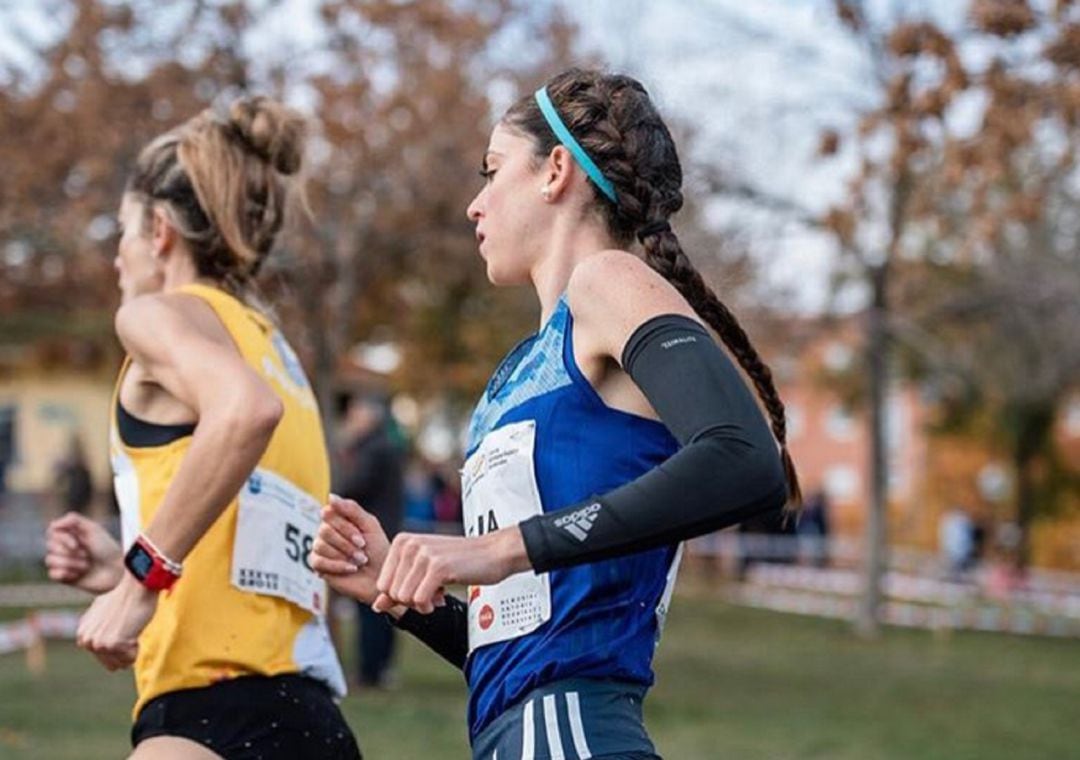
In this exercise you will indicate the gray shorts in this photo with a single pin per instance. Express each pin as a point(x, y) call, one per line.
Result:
point(574, 719)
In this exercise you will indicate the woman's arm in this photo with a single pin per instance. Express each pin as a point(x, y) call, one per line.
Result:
point(349, 551)
point(727, 470)
point(728, 467)
point(179, 343)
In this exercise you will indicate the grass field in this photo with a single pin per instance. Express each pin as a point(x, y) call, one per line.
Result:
point(732, 683)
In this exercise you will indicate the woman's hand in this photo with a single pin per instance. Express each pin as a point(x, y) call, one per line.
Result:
point(418, 567)
point(81, 553)
point(110, 628)
point(350, 549)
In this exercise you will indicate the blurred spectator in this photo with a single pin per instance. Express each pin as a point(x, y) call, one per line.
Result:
point(74, 484)
point(419, 496)
point(813, 530)
point(371, 471)
point(766, 538)
point(956, 541)
point(7, 446)
point(447, 502)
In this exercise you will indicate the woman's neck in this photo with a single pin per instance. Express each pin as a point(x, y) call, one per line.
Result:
point(569, 244)
point(181, 271)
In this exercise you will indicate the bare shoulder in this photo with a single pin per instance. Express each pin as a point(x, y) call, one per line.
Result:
point(151, 324)
point(612, 293)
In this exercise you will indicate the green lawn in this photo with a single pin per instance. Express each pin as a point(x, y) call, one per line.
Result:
point(732, 683)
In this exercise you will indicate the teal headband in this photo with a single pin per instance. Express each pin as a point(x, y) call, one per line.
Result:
point(552, 117)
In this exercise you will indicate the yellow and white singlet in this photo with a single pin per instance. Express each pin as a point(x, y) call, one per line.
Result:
point(247, 603)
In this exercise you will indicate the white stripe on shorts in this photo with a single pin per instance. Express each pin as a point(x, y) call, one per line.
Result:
point(551, 727)
point(528, 735)
point(577, 728)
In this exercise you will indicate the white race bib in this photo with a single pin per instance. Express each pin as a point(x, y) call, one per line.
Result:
point(499, 490)
point(275, 527)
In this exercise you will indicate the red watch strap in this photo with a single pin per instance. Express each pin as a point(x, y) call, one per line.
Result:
point(159, 577)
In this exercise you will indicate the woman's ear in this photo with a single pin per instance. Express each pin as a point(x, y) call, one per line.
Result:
point(558, 174)
point(162, 234)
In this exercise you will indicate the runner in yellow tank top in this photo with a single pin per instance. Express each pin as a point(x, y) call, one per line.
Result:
point(219, 461)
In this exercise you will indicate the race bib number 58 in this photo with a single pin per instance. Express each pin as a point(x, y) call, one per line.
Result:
point(275, 528)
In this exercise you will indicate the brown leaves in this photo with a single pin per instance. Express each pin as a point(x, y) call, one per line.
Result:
point(919, 38)
point(850, 14)
point(1002, 18)
point(842, 223)
point(829, 143)
point(1064, 51)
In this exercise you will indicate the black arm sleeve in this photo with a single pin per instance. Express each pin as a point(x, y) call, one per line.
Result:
point(445, 631)
point(727, 470)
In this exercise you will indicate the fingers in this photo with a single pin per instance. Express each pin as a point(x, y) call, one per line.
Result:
point(390, 565)
point(342, 535)
point(414, 574)
point(117, 657)
point(355, 514)
point(70, 521)
point(66, 559)
point(324, 566)
point(114, 655)
point(65, 544)
point(382, 603)
point(336, 549)
point(409, 578)
point(429, 594)
point(63, 540)
point(66, 569)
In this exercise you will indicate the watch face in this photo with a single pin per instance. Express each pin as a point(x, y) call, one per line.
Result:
point(139, 561)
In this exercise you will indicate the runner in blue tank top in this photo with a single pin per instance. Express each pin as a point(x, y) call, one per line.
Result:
point(614, 433)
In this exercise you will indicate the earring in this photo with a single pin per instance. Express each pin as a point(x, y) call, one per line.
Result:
point(545, 191)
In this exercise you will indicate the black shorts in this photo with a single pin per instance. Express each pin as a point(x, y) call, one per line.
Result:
point(287, 717)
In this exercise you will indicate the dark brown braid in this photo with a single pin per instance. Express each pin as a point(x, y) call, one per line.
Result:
point(618, 126)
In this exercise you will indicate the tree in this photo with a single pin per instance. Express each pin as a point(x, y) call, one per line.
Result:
point(973, 255)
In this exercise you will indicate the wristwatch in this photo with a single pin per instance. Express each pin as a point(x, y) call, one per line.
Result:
point(150, 567)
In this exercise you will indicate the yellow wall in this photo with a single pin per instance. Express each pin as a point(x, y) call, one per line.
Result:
point(49, 408)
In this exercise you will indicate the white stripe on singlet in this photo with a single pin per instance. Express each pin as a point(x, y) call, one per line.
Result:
point(528, 733)
point(577, 728)
point(551, 727)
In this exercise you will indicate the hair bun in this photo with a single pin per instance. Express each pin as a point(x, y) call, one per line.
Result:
point(271, 130)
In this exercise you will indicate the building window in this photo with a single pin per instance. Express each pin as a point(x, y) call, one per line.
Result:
point(839, 423)
point(842, 482)
point(796, 421)
point(1072, 417)
point(838, 357)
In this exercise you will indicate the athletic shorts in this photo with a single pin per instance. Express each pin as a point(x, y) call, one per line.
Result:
point(575, 719)
point(254, 717)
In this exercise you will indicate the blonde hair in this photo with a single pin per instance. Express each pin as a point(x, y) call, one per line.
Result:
point(226, 184)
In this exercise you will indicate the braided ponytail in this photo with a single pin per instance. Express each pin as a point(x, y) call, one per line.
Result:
point(664, 254)
point(614, 120)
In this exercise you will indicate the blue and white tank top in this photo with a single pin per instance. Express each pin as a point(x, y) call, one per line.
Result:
point(541, 439)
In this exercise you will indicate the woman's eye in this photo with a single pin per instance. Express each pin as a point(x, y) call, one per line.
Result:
point(487, 174)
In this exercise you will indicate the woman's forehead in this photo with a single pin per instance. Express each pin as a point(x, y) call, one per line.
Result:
point(506, 141)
